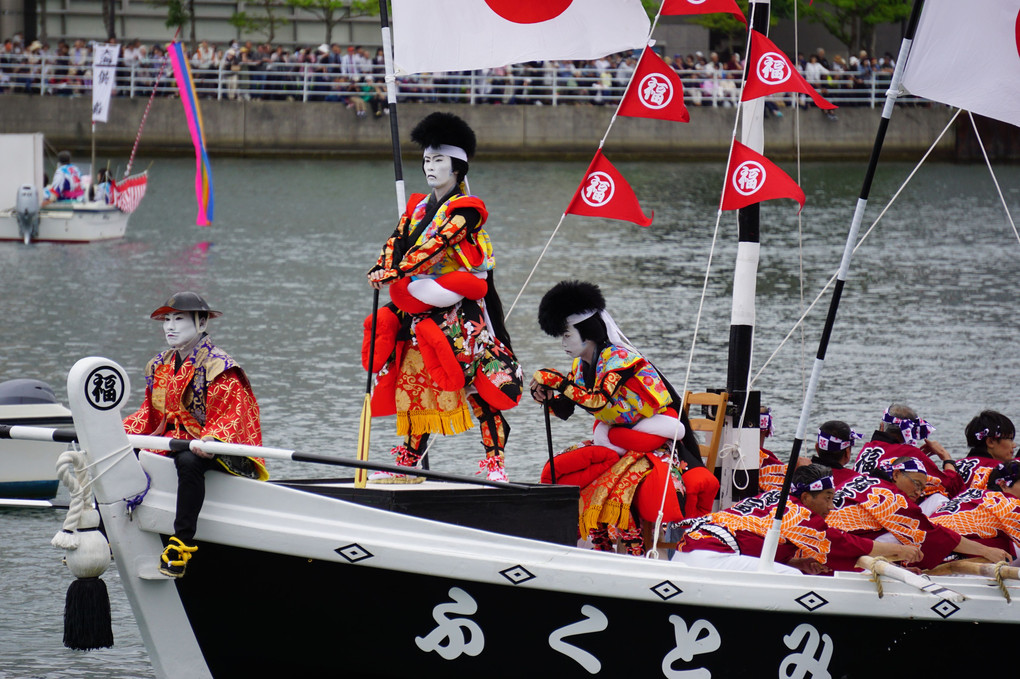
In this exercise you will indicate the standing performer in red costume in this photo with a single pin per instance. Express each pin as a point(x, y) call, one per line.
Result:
point(640, 445)
point(195, 390)
point(442, 352)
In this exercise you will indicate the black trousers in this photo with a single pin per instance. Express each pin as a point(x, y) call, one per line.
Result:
point(191, 471)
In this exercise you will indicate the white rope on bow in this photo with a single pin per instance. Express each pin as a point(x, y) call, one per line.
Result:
point(72, 470)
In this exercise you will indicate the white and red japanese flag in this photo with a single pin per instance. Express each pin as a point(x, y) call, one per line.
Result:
point(774, 72)
point(466, 35)
point(968, 55)
point(605, 193)
point(677, 7)
point(753, 178)
point(655, 91)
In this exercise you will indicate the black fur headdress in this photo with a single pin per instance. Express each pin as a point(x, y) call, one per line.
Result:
point(438, 128)
point(565, 299)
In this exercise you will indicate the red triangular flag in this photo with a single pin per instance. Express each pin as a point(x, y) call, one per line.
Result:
point(675, 7)
point(774, 72)
point(605, 193)
point(753, 178)
point(655, 91)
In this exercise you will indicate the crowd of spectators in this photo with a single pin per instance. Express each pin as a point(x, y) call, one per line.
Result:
point(352, 75)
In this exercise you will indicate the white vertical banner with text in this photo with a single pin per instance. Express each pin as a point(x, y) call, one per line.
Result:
point(104, 75)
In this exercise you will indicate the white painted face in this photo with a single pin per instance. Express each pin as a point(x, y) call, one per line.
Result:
point(181, 329)
point(575, 346)
point(439, 172)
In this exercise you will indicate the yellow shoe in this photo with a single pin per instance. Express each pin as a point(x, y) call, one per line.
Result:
point(175, 557)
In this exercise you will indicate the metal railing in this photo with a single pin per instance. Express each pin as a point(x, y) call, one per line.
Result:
point(553, 83)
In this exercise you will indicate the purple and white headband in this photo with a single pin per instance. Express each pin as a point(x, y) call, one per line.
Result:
point(912, 430)
point(987, 433)
point(766, 424)
point(909, 465)
point(1009, 472)
point(826, 442)
point(824, 483)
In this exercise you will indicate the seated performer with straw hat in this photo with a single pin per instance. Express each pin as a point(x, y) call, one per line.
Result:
point(441, 351)
point(195, 390)
point(641, 454)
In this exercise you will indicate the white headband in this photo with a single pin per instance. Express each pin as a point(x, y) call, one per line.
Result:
point(613, 331)
point(448, 150)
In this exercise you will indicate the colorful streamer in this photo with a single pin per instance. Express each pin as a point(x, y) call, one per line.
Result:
point(193, 114)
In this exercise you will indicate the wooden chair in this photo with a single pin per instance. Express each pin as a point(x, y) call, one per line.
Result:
point(712, 427)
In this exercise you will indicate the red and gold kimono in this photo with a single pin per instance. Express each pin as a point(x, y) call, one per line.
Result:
point(989, 517)
point(626, 389)
point(208, 395)
point(426, 354)
point(869, 506)
point(741, 529)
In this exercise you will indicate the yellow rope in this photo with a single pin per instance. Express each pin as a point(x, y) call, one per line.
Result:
point(1002, 581)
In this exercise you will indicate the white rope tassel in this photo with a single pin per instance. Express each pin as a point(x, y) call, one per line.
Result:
point(70, 470)
point(88, 552)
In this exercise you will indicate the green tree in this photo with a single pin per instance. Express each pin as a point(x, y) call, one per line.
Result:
point(332, 12)
point(853, 22)
point(179, 13)
point(265, 22)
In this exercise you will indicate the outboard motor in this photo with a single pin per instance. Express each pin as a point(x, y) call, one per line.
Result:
point(27, 209)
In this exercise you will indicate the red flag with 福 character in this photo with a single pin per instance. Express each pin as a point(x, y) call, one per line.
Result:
point(677, 7)
point(655, 91)
point(774, 72)
point(753, 178)
point(605, 193)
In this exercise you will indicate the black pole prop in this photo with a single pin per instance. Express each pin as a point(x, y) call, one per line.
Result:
point(365, 423)
point(548, 438)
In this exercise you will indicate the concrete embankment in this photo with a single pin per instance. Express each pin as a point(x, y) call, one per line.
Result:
point(250, 128)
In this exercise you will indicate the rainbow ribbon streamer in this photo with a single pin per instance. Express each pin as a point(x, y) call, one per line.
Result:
point(193, 113)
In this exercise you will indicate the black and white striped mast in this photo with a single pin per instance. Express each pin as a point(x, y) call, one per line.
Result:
point(745, 273)
point(772, 539)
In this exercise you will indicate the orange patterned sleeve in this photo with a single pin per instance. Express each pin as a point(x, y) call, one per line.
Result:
point(144, 420)
point(232, 413)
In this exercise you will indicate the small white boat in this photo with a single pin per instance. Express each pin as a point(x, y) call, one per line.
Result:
point(28, 468)
point(22, 219)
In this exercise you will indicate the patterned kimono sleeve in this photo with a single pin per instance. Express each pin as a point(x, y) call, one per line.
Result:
point(421, 257)
point(144, 420)
point(232, 413)
point(385, 260)
point(771, 471)
point(592, 400)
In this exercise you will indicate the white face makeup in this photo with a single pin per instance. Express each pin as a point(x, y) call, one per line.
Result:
point(181, 330)
point(575, 346)
point(439, 172)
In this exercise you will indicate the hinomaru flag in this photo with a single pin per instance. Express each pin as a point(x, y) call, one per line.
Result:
point(467, 35)
point(675, 7)
point(753, 178)
point(655, 91)
point(949, 33)
point(773, 71)
point(605, 193)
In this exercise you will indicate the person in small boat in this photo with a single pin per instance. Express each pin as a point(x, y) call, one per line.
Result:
point(66, 184)
point(990, 436)
point(194, 390)
point(990, 516)
point(733, 539)
point(771, 470)
point(882, 505)
point(643, 453)
point(102, 188)
point(902, 433)
point(442, 352)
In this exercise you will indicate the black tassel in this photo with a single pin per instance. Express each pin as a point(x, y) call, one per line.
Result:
point(87, 623)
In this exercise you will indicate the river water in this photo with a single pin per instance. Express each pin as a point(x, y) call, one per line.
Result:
point(927, 315)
